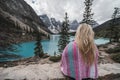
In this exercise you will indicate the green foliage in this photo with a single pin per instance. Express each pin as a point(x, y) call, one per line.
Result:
point(38, 49)
point(64, 35)
point(116, 57)
point(55, 58)
point(63, 41)
point(113, 50)
point(87, 13)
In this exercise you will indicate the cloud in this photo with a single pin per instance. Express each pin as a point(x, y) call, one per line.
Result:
point(102, 9)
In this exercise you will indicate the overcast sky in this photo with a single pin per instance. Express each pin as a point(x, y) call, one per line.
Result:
point(102, 9)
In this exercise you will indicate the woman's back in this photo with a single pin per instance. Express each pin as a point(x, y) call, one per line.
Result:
point(79, 58)
point(73, 66)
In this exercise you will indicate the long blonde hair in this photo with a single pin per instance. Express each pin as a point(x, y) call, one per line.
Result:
point(85, 41)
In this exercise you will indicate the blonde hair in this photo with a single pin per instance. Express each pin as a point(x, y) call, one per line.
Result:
point(84, 38)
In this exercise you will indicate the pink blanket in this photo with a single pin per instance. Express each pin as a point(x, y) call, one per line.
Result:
point(73, 66)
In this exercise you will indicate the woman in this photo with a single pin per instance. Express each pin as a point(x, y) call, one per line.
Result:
point(79, 58)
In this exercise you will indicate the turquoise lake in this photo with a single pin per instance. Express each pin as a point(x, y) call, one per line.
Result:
point(49, 46)
point(26, 49)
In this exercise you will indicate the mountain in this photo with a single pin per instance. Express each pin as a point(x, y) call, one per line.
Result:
point(17, 18)
point(55, 26)
point(45, 20)
point(51, 23)
point(74, 24)
point(102, 29)
point(19, 12)
point(94, 24)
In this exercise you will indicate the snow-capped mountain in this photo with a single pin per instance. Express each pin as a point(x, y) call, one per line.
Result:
point(45, 20)
point(51, 23)
point(74, 24)
point(55, 26)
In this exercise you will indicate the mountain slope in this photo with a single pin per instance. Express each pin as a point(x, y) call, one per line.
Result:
point(20, 12)
point(102, 29)
point(74, 24)
point(45, 20)
point(17, 18)
point(51, 23)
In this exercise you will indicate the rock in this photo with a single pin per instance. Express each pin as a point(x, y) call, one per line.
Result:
point(108, 68)
point(110, 77)
point(32, 72)
point(48, 71)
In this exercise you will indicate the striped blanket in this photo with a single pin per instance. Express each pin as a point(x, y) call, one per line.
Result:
point(73, 66)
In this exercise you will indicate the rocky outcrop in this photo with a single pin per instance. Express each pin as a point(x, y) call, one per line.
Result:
point(51, 23)
point(47, 71)
point(45, 20)
point(32, 72)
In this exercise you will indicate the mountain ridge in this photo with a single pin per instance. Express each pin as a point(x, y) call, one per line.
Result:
point(23, 12)
point(55, 25)
point(101, 29)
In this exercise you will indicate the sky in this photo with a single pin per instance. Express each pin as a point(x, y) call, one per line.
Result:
point(102, 9)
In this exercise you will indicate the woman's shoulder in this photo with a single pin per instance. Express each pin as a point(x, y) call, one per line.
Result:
point(71, 43)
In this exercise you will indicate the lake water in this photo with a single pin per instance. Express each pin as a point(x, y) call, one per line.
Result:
point(26, 49)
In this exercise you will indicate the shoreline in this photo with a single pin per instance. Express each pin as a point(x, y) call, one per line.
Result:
point(22, 59)
point(51, 71)
point(19, 40)
point(45, 69)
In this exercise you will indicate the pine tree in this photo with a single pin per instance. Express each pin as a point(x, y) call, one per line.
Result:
point(38, 51)
point(87, 16)
point(64, 35)
point(116, 17)
point(114, 30)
